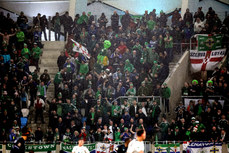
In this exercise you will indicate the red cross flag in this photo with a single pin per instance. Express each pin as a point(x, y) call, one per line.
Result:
point(81, 49)
point(205, 60)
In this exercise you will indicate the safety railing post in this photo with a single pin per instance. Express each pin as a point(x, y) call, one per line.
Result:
point(49, 27)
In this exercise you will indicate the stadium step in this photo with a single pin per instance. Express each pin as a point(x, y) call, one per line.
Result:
point(176, 58)
point(48, 61)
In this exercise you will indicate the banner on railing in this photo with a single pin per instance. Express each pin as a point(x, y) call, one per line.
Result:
point(228, 148)
point(105, 147)
point(164, 148)
point(0, 147)
point(69, 147)
point(209, 42)
point(35, 148)
point(204, 147)
point(187, 101)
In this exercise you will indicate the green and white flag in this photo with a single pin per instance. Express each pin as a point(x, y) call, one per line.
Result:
point(204, 147)
point(167, 148)
point(69, 147)
point(209, 42)
point(35, 148)
point(0, 147)
point(228, 148)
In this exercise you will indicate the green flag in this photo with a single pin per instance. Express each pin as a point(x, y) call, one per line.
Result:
point(208, 42)
point(35, 148)
point(69, 147)
point(0, 147)
point(167, 148)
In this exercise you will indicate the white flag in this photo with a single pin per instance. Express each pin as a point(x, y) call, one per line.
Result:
point(80, 49)
point(205, 60)
point(204, 147)
point(105, 147)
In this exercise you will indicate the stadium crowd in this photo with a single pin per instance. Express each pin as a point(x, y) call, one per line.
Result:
point(136, 63)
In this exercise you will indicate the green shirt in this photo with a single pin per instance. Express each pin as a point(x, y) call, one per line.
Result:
point(166, 92)
point(58, 78)
point(20, 36)
point(36, 52)
point(25, 53)
point(117, 136)
point(151, 24)
point(170, 43)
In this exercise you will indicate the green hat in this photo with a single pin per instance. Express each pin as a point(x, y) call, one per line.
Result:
point(194, 81)
point(210, 81)
point(154, 62)
point(59, 94)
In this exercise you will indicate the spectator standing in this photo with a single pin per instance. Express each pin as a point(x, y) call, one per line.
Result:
point(44, 24)
point(22, 21)
point(61, 60)
point(115, 21)
point(56, 25)
point(165, 93)
point(36, 53)
point(169, 45)
point(38, 134)
point(188, 17)
point(39, 105)
point(102, 20)
point(67, 22)
point(125, 20)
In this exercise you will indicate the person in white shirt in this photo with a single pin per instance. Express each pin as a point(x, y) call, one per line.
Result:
point(198, 25)
point(80, 148)
point(137, 145)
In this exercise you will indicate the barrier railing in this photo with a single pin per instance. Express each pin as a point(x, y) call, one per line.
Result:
point(155, 147)
point(221, 99)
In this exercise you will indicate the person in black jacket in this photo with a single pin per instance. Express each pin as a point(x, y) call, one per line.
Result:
point(61, 60)
point(125, 20)
point(19, 146)
point(123, 148)
point(134, 109)
point(115, 21)
point(67, 22)
point(44, 24)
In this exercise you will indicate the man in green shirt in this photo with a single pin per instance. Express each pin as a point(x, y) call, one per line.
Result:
point(57, 80)
point(166, 93)
point(25, 53)
point(36, 53)
point(20, 38)
point(151, 23)
point(169, 46)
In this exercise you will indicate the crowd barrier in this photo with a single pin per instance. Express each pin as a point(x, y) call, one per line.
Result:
point(100, 147)
point(222, 100)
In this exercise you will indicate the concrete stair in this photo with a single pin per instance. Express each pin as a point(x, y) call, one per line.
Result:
point(48, 61)
point(176, 58)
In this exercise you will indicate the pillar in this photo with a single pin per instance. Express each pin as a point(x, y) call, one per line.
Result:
point(184, 6)
point(77, 7)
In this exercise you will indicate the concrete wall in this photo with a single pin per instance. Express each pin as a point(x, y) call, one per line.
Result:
point(137, 7)
point(97, 8)
point(176, 79)
point(49, 8)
